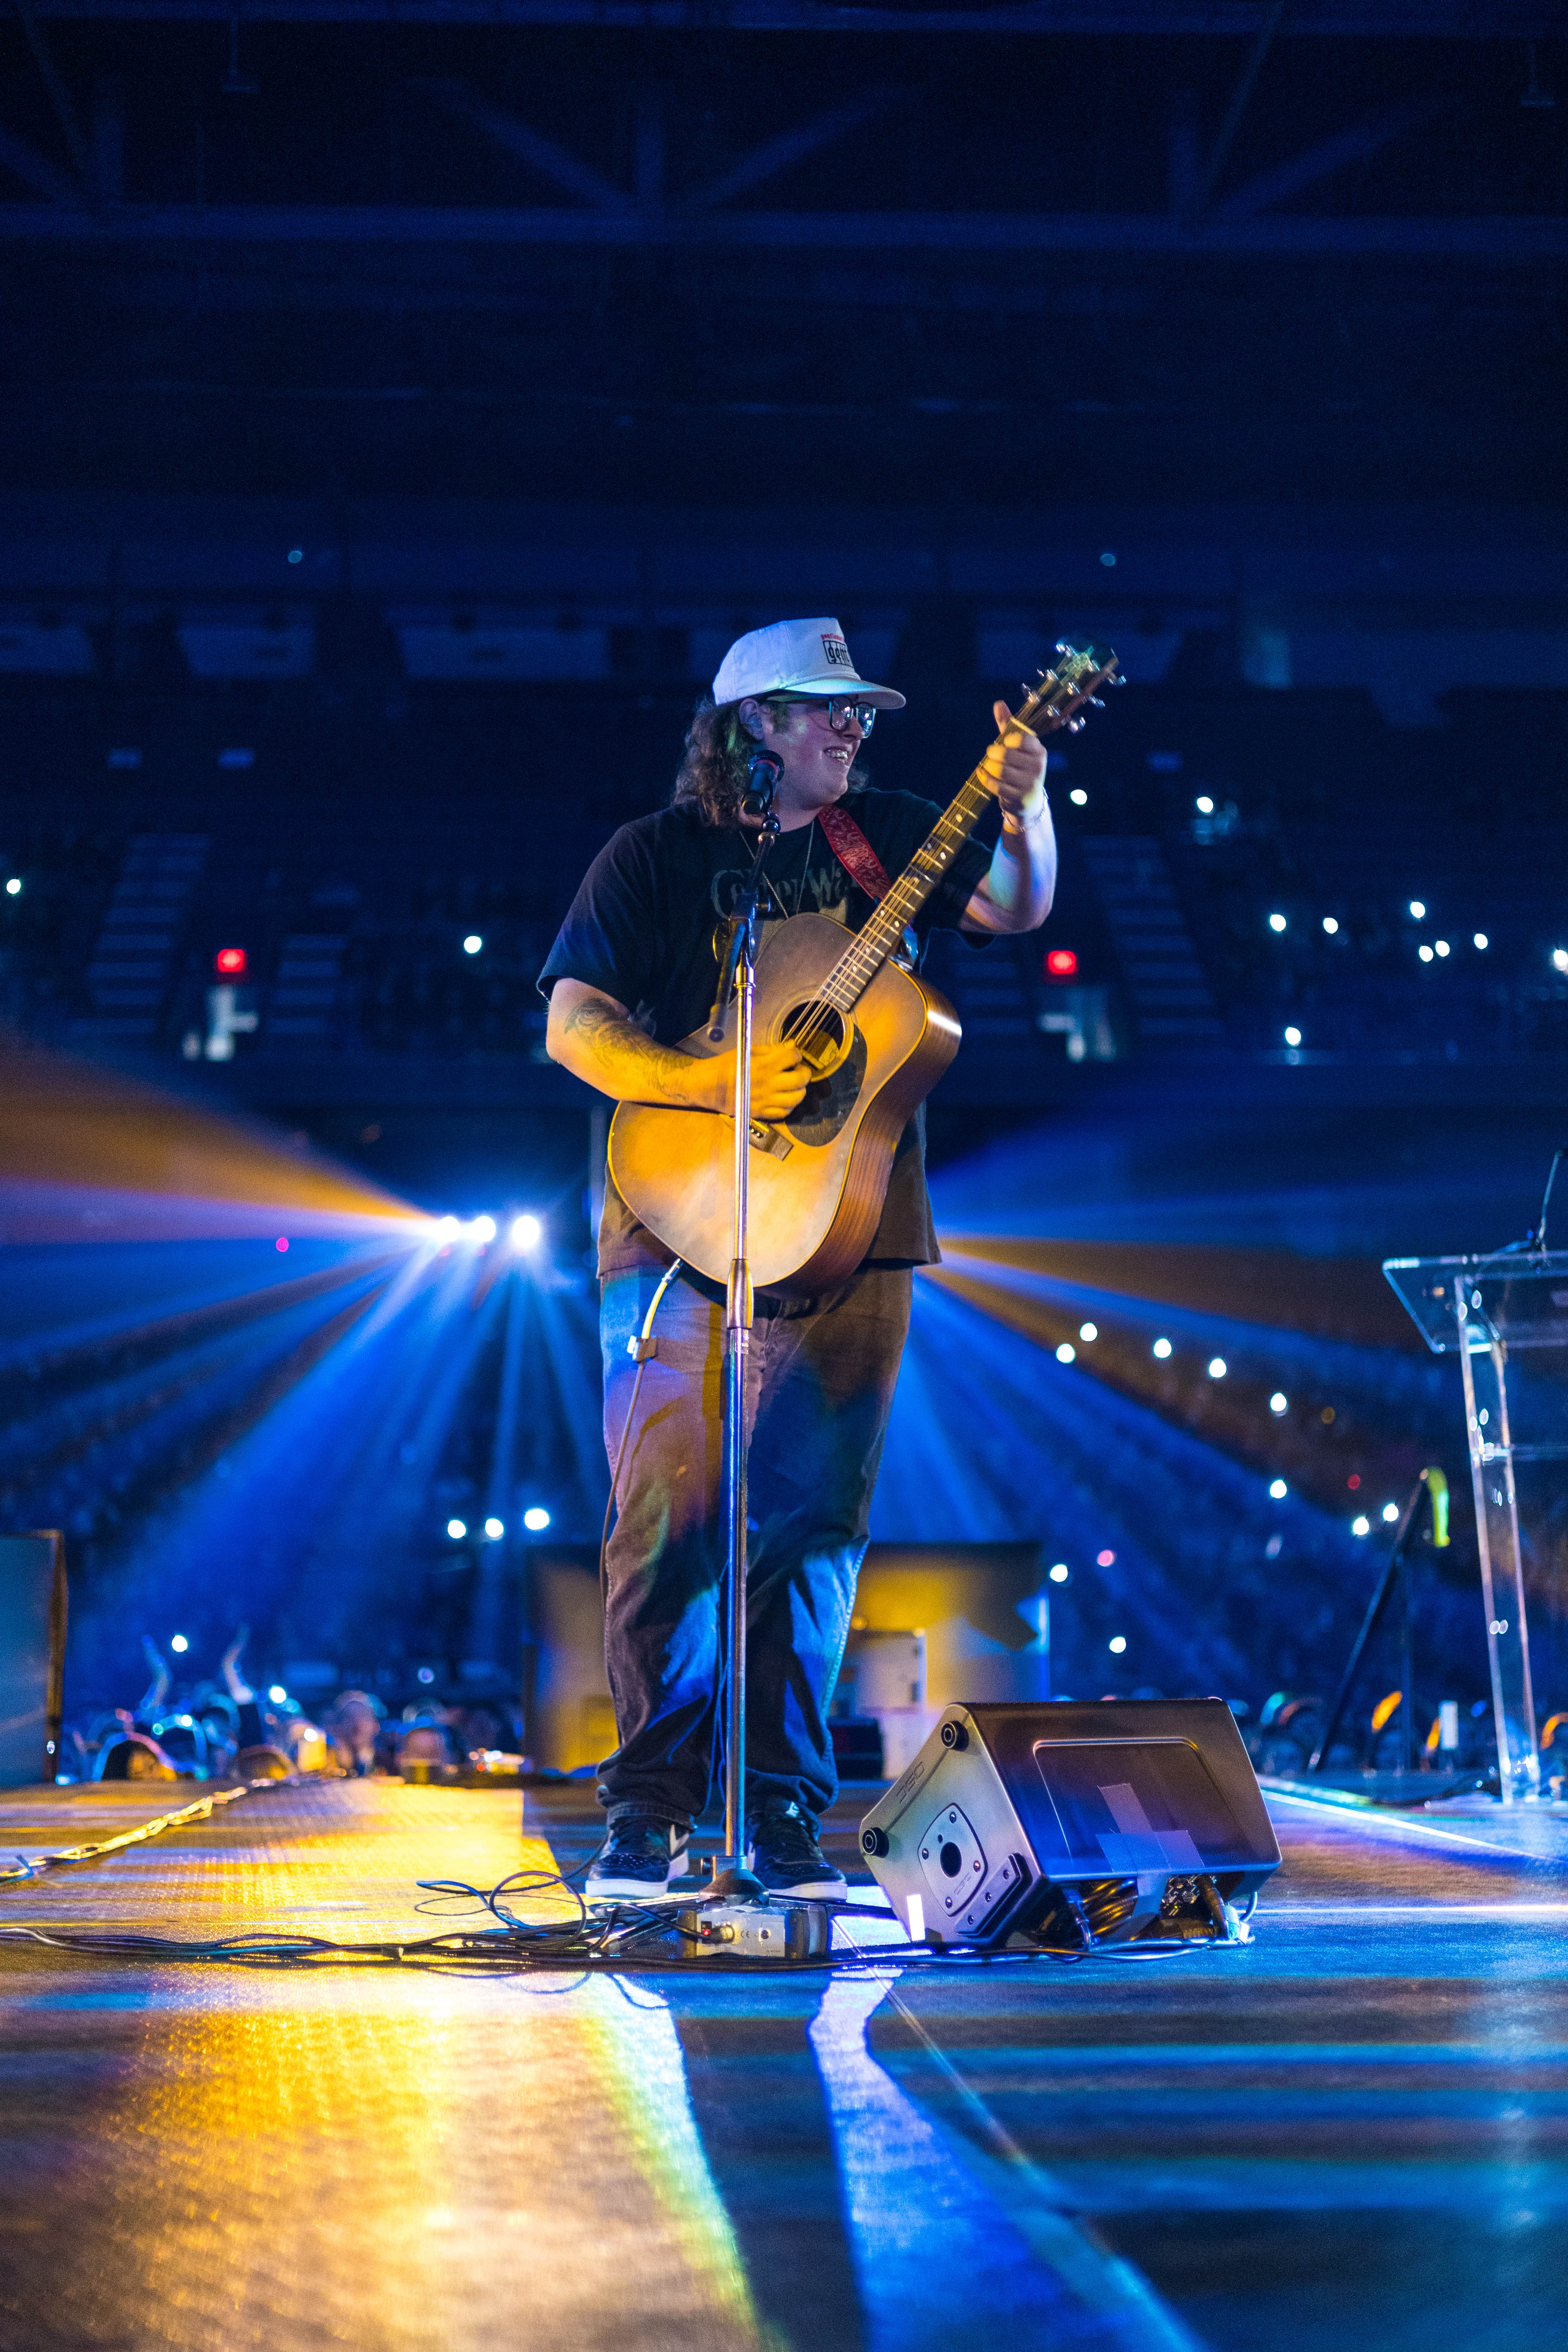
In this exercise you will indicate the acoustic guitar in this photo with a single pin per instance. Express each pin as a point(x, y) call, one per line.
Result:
point(876, 1039)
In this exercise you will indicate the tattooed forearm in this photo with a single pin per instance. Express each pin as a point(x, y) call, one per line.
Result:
point(595, 1038)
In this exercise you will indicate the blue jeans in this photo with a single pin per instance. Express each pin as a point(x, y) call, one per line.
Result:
point(818, 1395)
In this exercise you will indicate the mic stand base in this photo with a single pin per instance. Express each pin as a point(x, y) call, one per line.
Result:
point(732, 1882)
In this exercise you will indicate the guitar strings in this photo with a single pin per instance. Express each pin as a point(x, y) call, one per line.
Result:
point(823, 1009)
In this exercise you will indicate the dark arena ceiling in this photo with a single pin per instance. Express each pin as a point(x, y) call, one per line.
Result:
point(690, 255)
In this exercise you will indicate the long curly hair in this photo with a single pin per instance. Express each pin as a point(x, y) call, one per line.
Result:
point(713, 774)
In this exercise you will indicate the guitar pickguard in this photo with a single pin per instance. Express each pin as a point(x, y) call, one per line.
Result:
point(828, 1102)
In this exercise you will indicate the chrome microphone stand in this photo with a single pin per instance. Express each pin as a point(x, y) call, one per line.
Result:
point(731, 1876)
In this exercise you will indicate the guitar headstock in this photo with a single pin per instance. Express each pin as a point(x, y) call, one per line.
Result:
point(1059, 694)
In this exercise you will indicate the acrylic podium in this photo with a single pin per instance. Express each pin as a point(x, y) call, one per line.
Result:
point(1506, 1319)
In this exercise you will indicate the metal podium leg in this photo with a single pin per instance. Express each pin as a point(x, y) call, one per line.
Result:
point(1484, 1373)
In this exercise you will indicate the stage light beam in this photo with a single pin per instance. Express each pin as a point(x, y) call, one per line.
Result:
point(1419, 909)
point(1330, 925)
point(1292, 1036)
point(1217, 1367)
point(1204, 805)
point(473, 944)
point(483, 1229)
point(1117, 1644)
point(1390, 1512)
point(1440, 946)
point(1279, 1402)
point(536, 1518)
point(1066, 1353)
point(526, 1232)
point(1360, 1527)
point(1425, 952)
point(1078, 797)
point(1481, 940)
point(13, 886)
point(1090, 1331)
point(1277, 1490)
point(277, 1694)
point(1161, 1349)
point(1560, 958)
point(495, 1529)
point(178, 1643)
point(1276, 922)
point(457, 1530)
point(1059, 1573)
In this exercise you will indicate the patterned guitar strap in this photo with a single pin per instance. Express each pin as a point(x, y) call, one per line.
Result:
point(861, 863)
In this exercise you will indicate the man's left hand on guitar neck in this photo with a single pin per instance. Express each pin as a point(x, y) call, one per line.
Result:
point(1016, 893)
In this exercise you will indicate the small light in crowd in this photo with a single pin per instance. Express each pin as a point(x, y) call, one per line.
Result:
point(13, 886)
point(1059, 1573)
point(1078, 797)
point(296, 555)
point(1118, 1643)
point(1279, 1402)
point(1353, 1481)
point(277, 1694)
point(1292, 1036)
point(1278, 1489)
point(1204, 805)
point(1390, 1513)
point(1419, 908)
point(426, 1674)
point(1105, 1559)
point(1108, 559)
point(1481, 940)
point(1560, 958)
point(1061, 962)
point(457, 1530)
point(1440, 946)
point(483, 1229)
point(1360, 1527)
point(231, 963)
point(536, 1518)
point(1089, 1330)
point(178, 1642)
point(281, 1244)
point(1276, 922)
point(495, 1529)
point(1330, 925)
point(525, 1232)
point(1425, 952)
point(473, 944)
point(1217, 1367)
point(1066, 1352)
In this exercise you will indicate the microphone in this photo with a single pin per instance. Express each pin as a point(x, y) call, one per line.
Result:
point(764, 770)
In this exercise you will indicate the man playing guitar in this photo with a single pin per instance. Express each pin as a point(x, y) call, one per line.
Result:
point(633, 970)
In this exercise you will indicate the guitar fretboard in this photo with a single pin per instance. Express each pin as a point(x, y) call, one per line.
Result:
point(873, 945)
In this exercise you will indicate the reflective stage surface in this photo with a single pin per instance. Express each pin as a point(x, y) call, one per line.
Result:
point(1353, 2131)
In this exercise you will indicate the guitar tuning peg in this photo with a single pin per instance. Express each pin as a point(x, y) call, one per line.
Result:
point(1075, 726)
point(1095, 703)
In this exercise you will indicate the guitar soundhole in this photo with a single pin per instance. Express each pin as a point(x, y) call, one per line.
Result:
point(821, 1032)
point(828, 1101)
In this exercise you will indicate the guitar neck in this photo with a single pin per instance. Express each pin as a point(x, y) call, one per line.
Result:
point(871, 946)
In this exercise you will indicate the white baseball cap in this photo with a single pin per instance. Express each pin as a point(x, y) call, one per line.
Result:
point(797, 658)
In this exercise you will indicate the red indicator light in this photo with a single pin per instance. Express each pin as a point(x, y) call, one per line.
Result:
point(230, 961)
point(1061, 964)
point(1353, 1480)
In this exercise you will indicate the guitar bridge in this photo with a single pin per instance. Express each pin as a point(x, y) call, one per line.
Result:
point(771, 1140)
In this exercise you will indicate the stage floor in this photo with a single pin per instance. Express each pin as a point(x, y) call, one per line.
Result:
point(1352, 2132)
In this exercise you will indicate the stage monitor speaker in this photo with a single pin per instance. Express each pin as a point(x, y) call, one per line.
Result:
point(1072, 1823)
point(32, 1656)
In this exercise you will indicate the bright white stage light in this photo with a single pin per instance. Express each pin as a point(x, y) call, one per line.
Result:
point(483, 1229)
point(473, 944)
point(1560, 958)
point(1278, 1489)
point(1330, 925)
point(1419, 908)
point(1059, 1573)
point(1089, 1330)
point(1078, 797)
point(526, 1232)
point(178, 1642)
point(1360, 1527)
point(13, 886)
point(1162, 1349)
point(1217, 1367)
point(495, 1529)
point(1440, 946)
point(1390, 1512)
point(1276, 922)
point(277, 1694)
point(1425, 952)
point(1204, 805)
point(457, 1530)
point(447, 1228)
point(1067, 1353)
point(1482, 940)
point(1292, 1036)
point(536, 1519)
point(1279, 1402)
point(1118, 1643)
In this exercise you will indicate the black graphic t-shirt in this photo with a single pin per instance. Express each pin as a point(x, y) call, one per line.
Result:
point(642, 929)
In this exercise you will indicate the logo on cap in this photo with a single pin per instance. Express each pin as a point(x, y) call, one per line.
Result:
point(837, 653)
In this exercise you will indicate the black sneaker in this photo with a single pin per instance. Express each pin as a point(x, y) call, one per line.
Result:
point(787, 1858)
point(637, 1860)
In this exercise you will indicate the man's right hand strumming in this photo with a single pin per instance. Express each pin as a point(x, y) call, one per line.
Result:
point(596, 1039)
